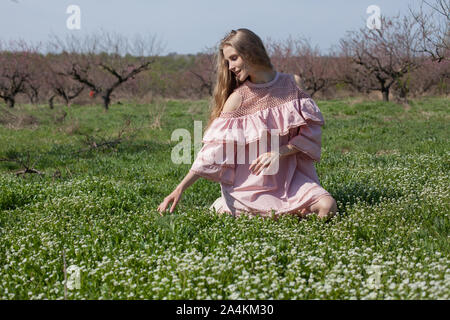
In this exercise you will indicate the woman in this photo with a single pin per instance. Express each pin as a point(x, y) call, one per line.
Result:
point(251, 99)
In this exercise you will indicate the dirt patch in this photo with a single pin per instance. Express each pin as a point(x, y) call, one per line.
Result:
point(356, 101)
point(12, 121)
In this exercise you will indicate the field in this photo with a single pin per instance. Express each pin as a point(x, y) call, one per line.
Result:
point(93, 209)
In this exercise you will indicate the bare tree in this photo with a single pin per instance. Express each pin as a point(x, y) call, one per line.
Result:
point(300, 57)
point(204, 69)
point(280, 55)
point(58, 83)
point(385, 54)
point(431, 77)
point(352, 74)
point(105, 61)
point(15, 69)
point(434, 29)
point(35, 84)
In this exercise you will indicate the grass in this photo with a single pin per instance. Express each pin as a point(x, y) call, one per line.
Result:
point(386, 165)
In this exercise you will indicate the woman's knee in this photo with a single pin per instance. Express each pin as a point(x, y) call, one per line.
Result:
point(327, 206)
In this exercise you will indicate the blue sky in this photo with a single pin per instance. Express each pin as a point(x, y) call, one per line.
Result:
point(190, 26)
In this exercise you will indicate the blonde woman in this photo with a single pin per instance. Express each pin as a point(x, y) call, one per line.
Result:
point(253, 103)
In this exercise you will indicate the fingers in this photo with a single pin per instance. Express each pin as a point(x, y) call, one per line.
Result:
point(252, 166)
point(256, 165)
point(173, 206)
point(261, 168)
point(262, 162)
point(261, 165)
point(258, 168)
point(256, 162)
point(163, 206)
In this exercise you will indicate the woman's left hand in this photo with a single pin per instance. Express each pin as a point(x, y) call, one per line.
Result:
point(265, 160)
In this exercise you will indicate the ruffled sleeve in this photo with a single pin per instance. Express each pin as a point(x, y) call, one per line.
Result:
point(309, 141)
point(309, 136)
point(216, 161)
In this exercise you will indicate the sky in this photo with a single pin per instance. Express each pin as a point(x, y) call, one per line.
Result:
point(191, 26)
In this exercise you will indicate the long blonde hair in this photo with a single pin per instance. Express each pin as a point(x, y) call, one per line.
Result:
point(250, 47)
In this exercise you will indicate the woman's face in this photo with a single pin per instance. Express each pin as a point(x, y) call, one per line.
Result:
point(235, 63)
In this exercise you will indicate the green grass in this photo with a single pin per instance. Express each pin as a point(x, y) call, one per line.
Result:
point(387, 166)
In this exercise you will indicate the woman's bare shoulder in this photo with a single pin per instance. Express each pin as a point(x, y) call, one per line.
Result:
point(298, 80)
point(233, 102)
point(300, 85)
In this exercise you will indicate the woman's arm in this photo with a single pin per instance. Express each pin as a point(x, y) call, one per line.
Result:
point(287, 150)
point(188, 180)
point(175, 196)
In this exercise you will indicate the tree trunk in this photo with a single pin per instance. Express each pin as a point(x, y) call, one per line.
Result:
point(10, 102)
point(403, 92)
point(385, 93)
point(50, 102)
point(67, 100)
point(106, 101)
point(33, 96)
point(403, 95)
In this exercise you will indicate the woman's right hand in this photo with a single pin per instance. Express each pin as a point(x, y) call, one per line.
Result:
point(174, 196)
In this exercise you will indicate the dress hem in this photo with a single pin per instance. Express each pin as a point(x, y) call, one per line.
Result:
point(295, 211)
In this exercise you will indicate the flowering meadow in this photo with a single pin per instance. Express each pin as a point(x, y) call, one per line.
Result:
point(87, 226)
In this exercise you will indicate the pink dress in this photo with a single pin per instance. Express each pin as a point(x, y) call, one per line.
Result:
point(276, 112)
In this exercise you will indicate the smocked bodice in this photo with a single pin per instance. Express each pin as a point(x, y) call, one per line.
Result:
point(256, 97)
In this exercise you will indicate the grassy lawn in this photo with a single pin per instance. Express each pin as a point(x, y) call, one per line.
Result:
point(387, 166)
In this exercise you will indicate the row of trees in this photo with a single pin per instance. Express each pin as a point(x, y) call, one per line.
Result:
point(409, 55)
